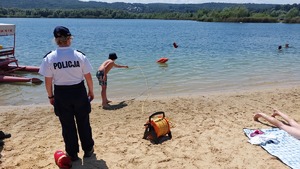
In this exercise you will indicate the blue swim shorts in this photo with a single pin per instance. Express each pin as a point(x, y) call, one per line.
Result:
point(100, 76)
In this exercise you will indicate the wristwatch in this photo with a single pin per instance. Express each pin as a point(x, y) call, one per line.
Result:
point(50, 97)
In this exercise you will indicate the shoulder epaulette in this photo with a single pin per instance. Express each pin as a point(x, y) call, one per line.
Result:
point(80, 52)
point(47, 54)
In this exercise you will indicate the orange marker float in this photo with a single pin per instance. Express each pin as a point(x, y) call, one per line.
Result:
point(162, 60)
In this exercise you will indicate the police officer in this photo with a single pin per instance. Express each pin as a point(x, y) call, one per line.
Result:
point(66, 69)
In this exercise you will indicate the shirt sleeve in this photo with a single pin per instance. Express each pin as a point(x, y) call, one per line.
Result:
point(45, 69)
point(87, 68)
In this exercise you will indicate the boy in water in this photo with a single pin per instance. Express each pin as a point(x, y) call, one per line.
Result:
point(101, 74)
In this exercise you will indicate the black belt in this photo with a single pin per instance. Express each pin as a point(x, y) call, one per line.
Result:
point(79, 85)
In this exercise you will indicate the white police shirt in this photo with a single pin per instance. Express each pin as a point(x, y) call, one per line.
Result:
point(66, 66)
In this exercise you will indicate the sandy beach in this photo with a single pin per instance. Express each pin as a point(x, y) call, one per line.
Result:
point(207, 133)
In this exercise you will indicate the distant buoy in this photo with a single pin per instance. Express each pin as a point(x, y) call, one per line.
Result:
point(175, 45)
point(162, 60)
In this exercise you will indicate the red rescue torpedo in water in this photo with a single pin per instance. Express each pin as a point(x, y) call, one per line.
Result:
point(175, 45)
point(162, 60)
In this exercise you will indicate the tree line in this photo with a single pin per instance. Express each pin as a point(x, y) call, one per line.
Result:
point(279, 13)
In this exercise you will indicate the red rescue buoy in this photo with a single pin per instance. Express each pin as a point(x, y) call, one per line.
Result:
point(162, 60)
point(62, 160)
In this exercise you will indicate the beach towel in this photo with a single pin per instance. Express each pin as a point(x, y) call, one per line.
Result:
point(282, 145)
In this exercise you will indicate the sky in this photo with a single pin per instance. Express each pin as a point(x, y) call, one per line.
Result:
point(203, 1)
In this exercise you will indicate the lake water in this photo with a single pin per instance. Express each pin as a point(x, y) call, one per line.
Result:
point(211, 57)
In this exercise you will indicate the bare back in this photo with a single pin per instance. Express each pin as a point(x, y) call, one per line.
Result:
point(106, 66)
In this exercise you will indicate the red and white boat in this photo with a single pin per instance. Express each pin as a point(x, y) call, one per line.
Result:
point(8, 61)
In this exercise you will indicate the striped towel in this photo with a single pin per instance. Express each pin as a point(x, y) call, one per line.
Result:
point(287, 148)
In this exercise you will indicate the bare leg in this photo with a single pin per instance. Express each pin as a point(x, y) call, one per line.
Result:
point(270, 119)
point(292, 122)
point(295, 132)
point(104, 97)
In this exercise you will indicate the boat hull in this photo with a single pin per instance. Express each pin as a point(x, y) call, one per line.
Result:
point(24, 68)
point(4, 78)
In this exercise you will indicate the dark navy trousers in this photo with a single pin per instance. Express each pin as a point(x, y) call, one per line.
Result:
point(72, 106)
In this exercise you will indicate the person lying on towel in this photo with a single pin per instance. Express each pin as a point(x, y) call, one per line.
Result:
point(292, 127)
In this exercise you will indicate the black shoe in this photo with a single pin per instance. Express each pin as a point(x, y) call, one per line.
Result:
point(89, 153)
point(74, 157)
point(1, 143)
point(4, 135)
